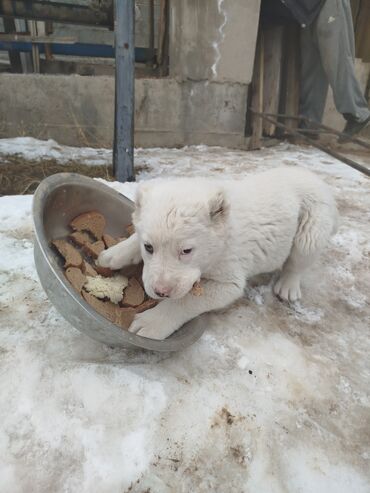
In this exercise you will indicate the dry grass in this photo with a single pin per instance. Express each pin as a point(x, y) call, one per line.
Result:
point(19, 176)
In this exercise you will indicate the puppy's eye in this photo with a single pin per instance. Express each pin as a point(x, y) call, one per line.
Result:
point(186, 251)
point(148, 247)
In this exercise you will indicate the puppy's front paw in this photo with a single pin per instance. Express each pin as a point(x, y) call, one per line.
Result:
point(154, 324)
point(114, 257)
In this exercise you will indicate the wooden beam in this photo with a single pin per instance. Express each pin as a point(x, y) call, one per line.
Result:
point(27, 38)
point(59, 12)
point(14, 56)
point(273, 47)
point(290, 81)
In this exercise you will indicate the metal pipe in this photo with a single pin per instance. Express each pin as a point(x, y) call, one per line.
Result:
point(345, 160)
point(142, 55)
point(98, 14)
point(123, 150)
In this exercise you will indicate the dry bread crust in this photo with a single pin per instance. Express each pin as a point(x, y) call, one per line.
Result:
point(72, 257)
point(93, 222)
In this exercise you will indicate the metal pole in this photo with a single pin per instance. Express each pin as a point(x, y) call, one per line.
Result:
point(123, 151)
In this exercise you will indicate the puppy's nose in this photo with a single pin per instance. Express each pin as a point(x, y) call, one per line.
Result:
point(162, 291)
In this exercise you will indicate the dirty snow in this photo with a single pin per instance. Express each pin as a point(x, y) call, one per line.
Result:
point(272, 399)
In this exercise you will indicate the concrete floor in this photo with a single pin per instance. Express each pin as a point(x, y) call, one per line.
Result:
point(274, 398)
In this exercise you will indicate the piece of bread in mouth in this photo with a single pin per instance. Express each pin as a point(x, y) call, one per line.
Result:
point(130, 229)
point(72, 257)
point(197, 289)
point(93, 222)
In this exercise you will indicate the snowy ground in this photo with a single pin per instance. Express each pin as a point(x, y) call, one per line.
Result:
point(272, 399)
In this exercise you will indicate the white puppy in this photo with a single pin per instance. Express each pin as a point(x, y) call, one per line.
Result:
point(222, 232)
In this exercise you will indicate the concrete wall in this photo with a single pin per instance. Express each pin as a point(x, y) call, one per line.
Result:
point(79, 110)
point(213, 39)
point(212, 45)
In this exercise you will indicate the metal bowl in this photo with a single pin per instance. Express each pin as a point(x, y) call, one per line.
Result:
point(57, 200)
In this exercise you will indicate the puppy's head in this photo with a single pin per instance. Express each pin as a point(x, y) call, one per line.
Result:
point(182, 228)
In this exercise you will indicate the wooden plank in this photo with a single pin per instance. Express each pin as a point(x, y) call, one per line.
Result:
point(14, 56)
point(68, 13)
point(289, 93)
point(35, 48)
point(273, 45)
point(27, 38)
point(123, 152)
point(362, 31)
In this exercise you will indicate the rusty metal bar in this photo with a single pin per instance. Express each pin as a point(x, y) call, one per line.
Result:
point(327, 129)
point(345, 160)
point(96, 13)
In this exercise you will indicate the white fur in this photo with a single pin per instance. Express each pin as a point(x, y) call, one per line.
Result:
point(280, 219)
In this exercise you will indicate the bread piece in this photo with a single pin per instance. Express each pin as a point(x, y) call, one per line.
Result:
point(88, 270)
point(80, 238)
point(104, 271)
point(147, 305)
point(71, 256)
point(76, 278)
point(133, 271)
point(105, 308)
point(130, 229)
point(107, 287)
point(94, 249)
point(124, 317)
point(109, 241)
point(134, 294)
point(93, 221)
point(197, 289)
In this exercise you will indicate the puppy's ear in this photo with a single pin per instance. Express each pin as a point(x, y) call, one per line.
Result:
point(218, 206)
point(141, 192)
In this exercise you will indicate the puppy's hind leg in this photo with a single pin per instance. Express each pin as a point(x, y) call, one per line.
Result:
point(314, 230)
point(288, 286)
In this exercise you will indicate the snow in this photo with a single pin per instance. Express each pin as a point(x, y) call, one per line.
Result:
point(34, 149)
point(274, 398)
